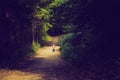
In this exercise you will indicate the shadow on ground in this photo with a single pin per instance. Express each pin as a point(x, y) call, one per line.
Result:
point(48, 65)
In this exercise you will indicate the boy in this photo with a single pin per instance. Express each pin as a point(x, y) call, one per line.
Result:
point(53, 48)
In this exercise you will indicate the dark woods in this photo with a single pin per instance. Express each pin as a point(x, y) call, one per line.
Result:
point(17, 30)
point(106, 16)
point(92, 28)
point(94, 31)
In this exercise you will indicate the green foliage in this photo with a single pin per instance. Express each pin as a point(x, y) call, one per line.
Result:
point(20, 28)
point(90, 17)
point(71, 53)
point(68, 29)
point(67, 38)
point(46, 26)
point(92, 30)
point(43, 16)
point(66, 45)
point(34, 48)
point(76, 47)
point(43, 13)
point(57, 3)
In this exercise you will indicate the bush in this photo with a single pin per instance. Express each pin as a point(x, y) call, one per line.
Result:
point(67, 49)
point(34, 48)
point(72, 50)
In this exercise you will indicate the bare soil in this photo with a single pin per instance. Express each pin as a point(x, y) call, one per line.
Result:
point(47, 65)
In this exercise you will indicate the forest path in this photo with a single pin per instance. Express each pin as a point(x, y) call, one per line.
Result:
point(45, 65)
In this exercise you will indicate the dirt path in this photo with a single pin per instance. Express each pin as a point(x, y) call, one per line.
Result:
point(46, 65)
point(45, 58)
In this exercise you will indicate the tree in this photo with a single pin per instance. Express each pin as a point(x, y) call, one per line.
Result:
point(97, 21)
point(15, 30)
point(23, 23)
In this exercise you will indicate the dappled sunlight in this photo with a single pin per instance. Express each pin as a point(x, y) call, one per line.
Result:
point(47, 53)
point(45, 57)
point(43, 66)
point(19, 75)
point(55, 39)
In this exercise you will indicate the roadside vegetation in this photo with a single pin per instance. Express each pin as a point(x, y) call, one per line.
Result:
point(89, 30)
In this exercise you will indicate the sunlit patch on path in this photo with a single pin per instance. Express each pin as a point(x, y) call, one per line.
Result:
point(45, 58)
point(18, 75)
point(45, 65)
point(47, 53)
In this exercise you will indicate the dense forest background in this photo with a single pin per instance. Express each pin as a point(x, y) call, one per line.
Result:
point(89, 29)
point(94, 30)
